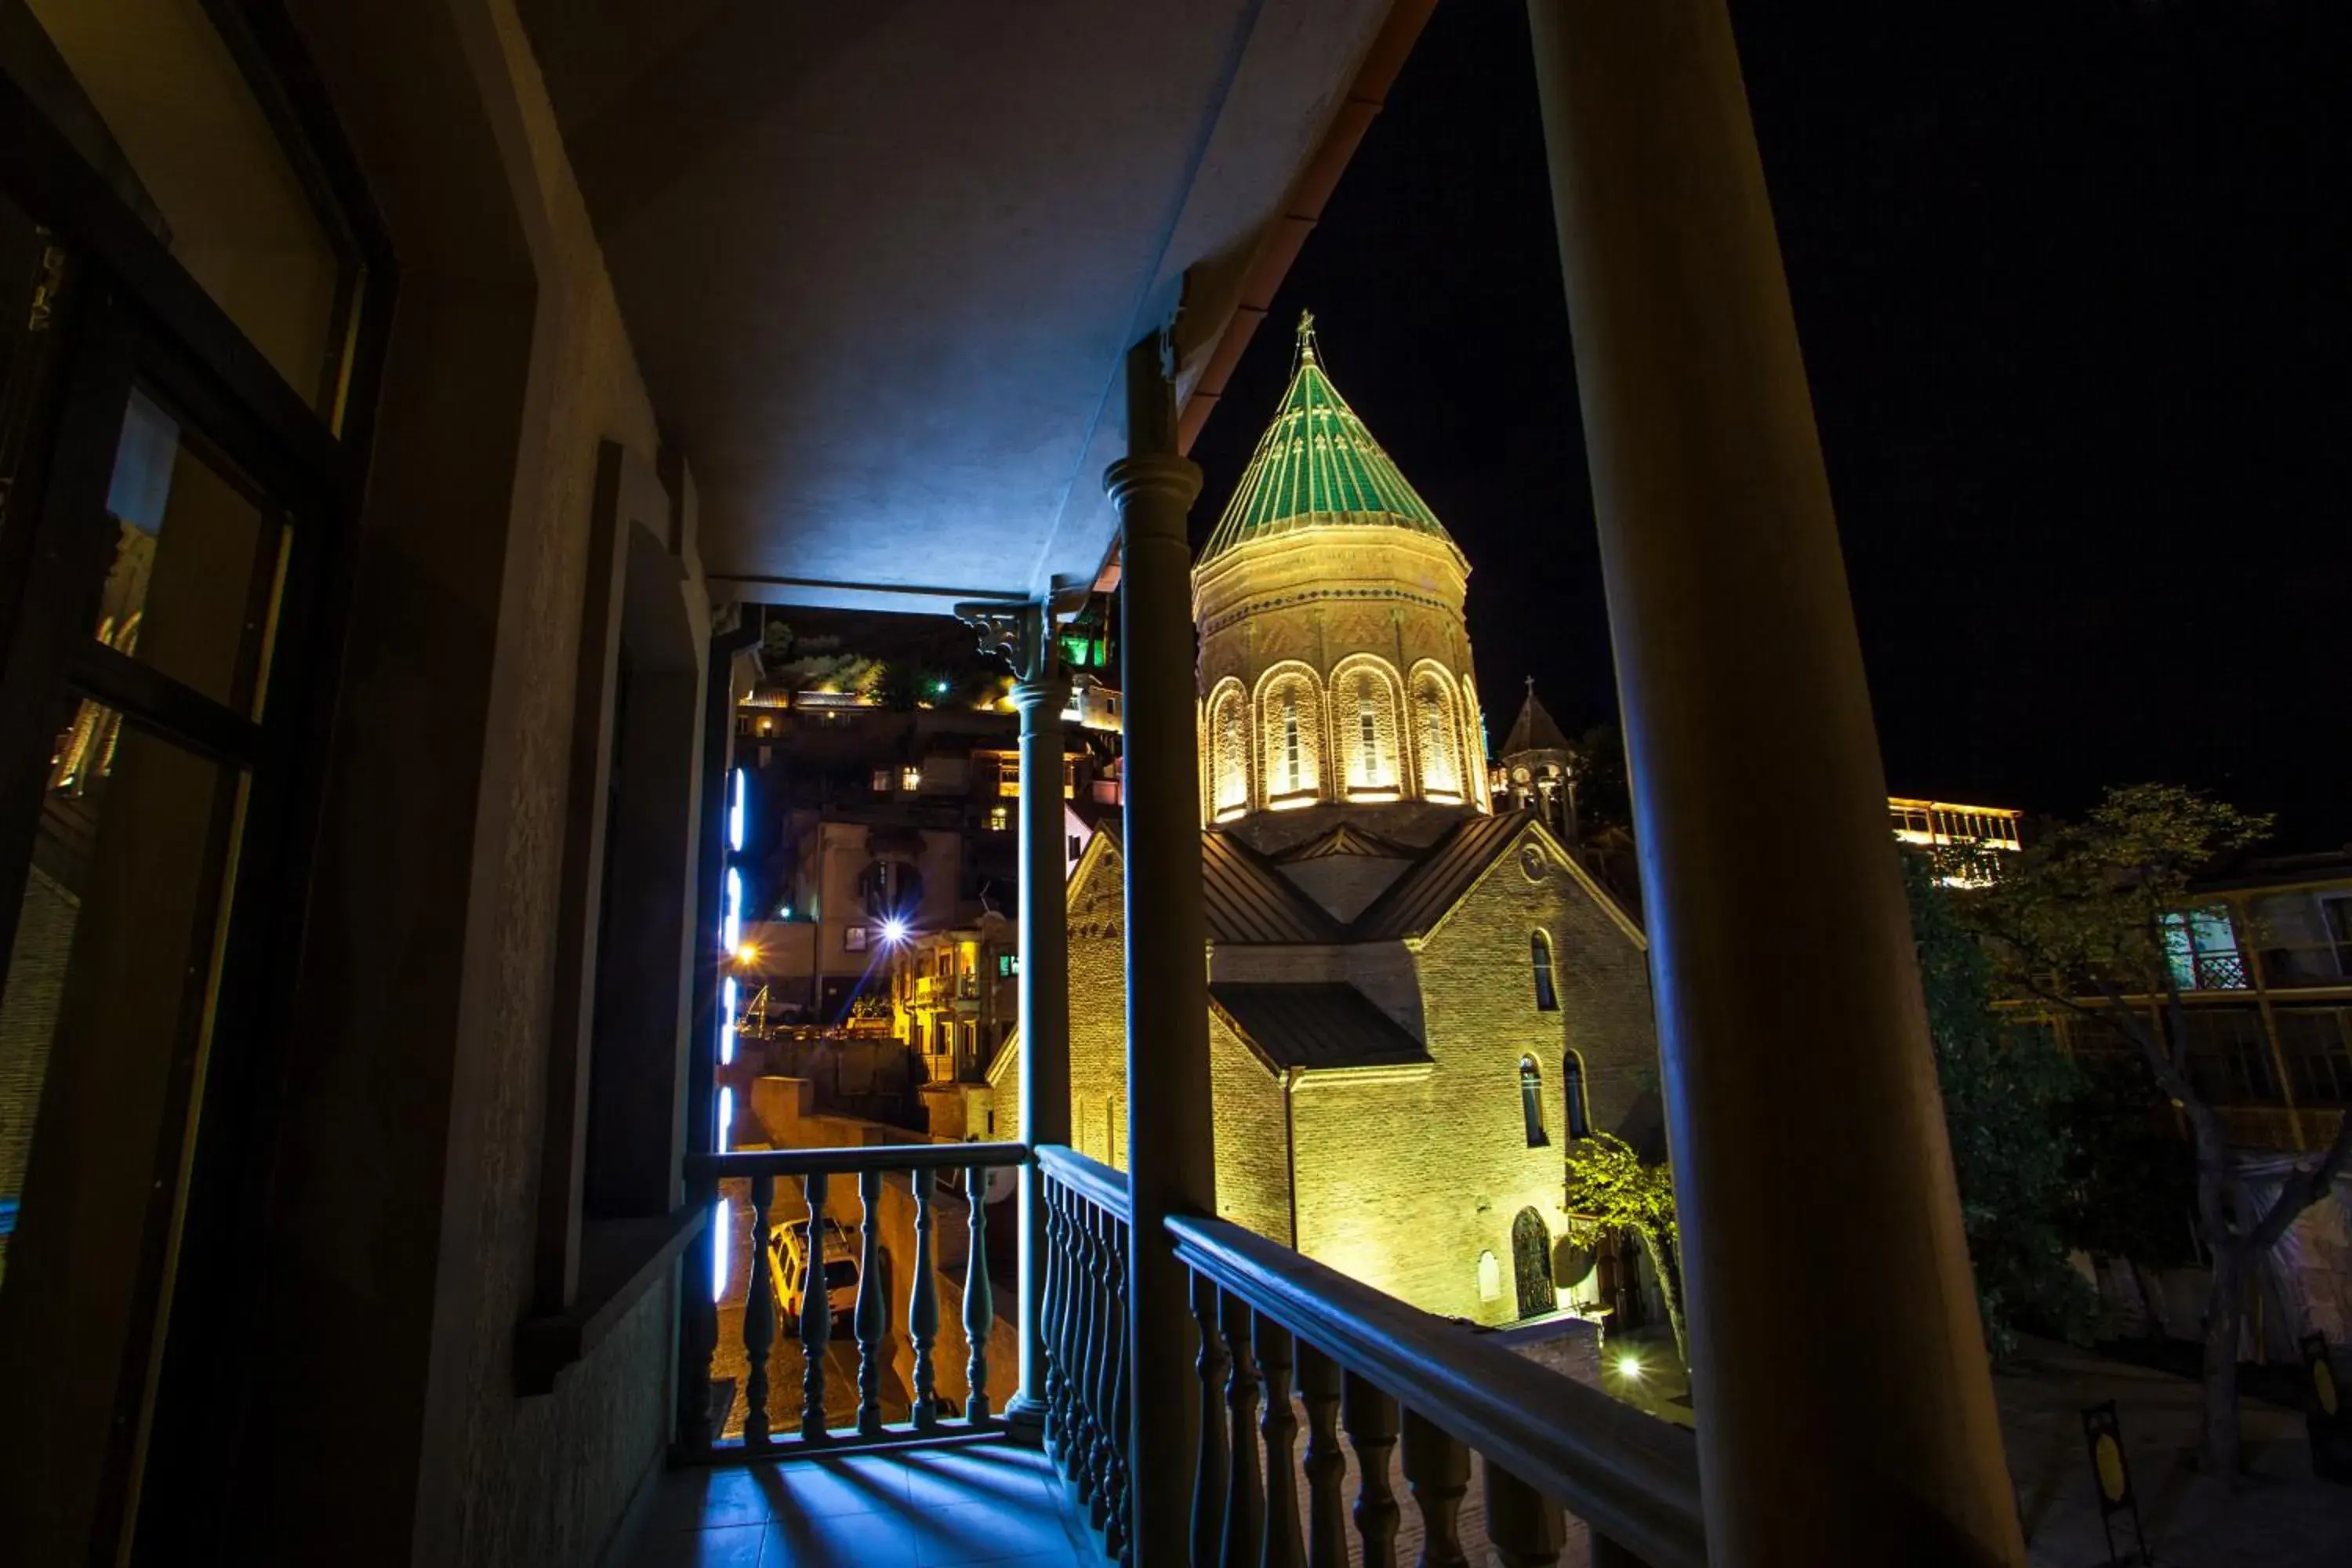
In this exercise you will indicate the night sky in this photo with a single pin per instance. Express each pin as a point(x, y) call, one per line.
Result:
point(2076, 297)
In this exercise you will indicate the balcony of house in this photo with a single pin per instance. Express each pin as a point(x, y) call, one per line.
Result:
point(893, 1415)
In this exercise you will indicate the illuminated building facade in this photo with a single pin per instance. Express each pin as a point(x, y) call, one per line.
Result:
point(1415, 1002)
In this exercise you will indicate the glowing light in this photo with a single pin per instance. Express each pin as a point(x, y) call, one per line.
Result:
point(726, 1117)
point(784, 913)
point(735, 816)
point(894, 929)
point(730, 924)
point(940, 688)
point(729, 1004)
point(747, 953)
point(1629, 1365)
point(719, 1229)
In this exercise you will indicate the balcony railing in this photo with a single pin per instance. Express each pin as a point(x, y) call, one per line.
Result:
point(870, 1319)
point(1365, 1364)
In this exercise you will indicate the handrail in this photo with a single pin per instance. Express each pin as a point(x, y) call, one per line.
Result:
point(1630, 1476)
point(1090, 1179)
point(853, 1160)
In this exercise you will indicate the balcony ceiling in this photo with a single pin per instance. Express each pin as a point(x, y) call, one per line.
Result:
point(880, 261)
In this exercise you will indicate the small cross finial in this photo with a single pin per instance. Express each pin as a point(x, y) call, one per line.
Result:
point(1531, 685)
point(1307, 335)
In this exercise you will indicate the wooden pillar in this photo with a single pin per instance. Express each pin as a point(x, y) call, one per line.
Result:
point(1804, 1116)
point(1171, 1156)
point(1044, 936)
point(2242, 928)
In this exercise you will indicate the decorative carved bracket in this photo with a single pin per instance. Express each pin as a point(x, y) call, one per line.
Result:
point(1021, 635)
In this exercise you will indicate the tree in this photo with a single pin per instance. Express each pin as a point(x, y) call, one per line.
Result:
point(2007, 1095)
point(1608, 1188)
point(2091, 924)
point(1603, 798)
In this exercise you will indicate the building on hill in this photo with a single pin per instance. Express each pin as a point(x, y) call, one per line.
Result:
point(1415, 1003)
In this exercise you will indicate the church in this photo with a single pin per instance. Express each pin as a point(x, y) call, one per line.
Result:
point(1415, 1001)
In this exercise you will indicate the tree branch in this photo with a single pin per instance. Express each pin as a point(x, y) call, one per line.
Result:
point(2303, 1188)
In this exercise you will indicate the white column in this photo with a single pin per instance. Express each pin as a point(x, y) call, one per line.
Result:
point(1802, 1112)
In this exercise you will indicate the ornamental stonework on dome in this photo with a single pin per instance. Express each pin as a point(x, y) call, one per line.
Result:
point(1336, 670)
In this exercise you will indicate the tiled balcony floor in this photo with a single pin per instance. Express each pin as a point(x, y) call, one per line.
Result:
point(991, 1502)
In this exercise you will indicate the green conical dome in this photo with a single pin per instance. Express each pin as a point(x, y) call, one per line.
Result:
point(1317, 466)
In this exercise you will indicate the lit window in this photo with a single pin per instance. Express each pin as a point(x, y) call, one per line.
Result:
point(1532, 1101)
point(2201, 949)
point(1572, 1083)
point(881, 780)
point(1540, 954)
point(999, 819)
point(1290, 760)
point(1368, 733)
point(1008, 965)
point(910, 778)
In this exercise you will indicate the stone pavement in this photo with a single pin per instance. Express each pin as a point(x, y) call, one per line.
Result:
point(2279, 1516)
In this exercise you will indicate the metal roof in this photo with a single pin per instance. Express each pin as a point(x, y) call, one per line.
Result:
point(1534, 730)
point(1250, 902)
point(1422, 895)
point(1326, 1024)
point(1317, 466)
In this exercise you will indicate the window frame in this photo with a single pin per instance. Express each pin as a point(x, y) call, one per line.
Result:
point(1531, 1102)
point(131, 314)
point(1541, 960)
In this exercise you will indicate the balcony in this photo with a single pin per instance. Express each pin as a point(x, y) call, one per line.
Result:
point(1318, 1421)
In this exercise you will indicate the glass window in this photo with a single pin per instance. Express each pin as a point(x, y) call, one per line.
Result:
point(192, 585)
point(1532, 1101)
point(1572, 1083)
point(2201, 949)
point(171, 119)
point(34, 270)
point(1539, 951)
point(112, 966)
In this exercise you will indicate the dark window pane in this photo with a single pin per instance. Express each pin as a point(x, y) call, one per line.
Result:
point(155, 101)
point(111, 972)
point(194, 584)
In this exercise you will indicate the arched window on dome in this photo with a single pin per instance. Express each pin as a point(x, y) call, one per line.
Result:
point(1364, 694)
point(1291, 719)
point(1437, 746)
point(1229, 753)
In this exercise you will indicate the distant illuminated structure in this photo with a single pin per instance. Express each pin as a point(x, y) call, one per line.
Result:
point(1941, 824)
point(1416, 1001)
point(1334, 659)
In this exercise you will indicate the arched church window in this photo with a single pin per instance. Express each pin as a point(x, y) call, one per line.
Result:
point(1532, 1101)
point(1290, 748)
point(1229, 784)
point(1368, 736)
point(1433, 725)
point(1572, 1084)
point(1539, 959)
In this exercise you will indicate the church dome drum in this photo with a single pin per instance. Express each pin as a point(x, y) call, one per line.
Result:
point(1334, 662)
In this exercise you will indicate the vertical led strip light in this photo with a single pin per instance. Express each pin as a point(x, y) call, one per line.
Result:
point(730, 932)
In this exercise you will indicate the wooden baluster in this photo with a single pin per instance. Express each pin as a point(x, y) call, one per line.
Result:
point(1244, 1488)
point(1122, 1549)
point(1327, 1467)
point(1086, 1307)
point(872, 1316)
point(1370, 1417)
point(1438, 1469)
point(923, 1307)
point(1109, 1326)
point(816, 1315)
point(1525, 1527)
point(1211, 1470)
point(1056, 1312)
point(1271, 1341)
point(759, 1317)
point(979, 1299)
